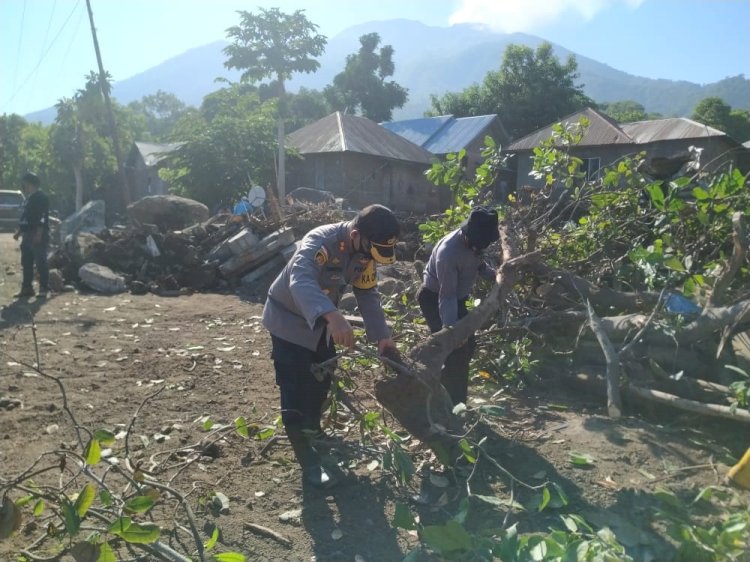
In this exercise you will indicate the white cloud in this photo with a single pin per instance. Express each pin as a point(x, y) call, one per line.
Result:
point(510, 16)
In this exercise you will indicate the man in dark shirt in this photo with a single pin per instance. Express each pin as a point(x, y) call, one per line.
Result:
point(449, 277)
point(33, 229)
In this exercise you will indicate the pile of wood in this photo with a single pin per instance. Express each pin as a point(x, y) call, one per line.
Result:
point(223, 251)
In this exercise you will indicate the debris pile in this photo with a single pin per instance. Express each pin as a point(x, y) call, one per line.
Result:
point(171, 246)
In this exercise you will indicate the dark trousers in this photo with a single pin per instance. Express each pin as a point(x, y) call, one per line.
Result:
point(302, 394)
point(455, 374)
point(34, 254)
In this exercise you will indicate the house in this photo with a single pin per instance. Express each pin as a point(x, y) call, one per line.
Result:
point(666, 142)
point(142, 168)
point(446, 134)
point(358, 160)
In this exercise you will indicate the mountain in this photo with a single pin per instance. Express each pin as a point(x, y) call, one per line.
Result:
point(429, 60)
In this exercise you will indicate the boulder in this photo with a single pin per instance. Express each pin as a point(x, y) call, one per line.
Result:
point(310, 195)
point(89, 219)
point(390, 287)
point(101, 279)
point(168, 212)
point(83, 247)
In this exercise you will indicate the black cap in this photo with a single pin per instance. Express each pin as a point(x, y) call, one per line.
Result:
point(481, 228)
point(31, 178)
point(378, 224)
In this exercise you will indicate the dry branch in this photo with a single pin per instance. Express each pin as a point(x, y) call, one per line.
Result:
point(739, 254)
point(614, 402)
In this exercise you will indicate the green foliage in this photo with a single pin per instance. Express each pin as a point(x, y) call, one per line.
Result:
point(226, 147)
point(161, 111)
point(362, 86)
point(715, 112)
point(531, 90)
point(627, 111)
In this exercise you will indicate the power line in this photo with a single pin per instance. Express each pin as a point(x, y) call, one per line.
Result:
point(38, 64)
point(20, 37)
point(44, 41)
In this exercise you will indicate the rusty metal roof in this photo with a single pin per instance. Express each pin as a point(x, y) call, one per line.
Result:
point(668, 129)
point(601, 130)
point(339, 132)
point(605, 131)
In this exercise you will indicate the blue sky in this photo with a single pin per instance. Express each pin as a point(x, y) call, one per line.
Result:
point(46, 47)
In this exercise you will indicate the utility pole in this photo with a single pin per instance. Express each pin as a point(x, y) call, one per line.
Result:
point(110, 114)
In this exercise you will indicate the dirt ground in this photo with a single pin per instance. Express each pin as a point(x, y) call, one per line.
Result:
point(208, 355)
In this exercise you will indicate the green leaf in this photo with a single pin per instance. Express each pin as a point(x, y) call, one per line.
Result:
point(20, 502)
point(139, 504)
point(656, 194)
point(93, 452)
point(403, 518)
point(240, 424)
point(207, 424)
point(104, 437)
point(581, 459)
point(209, 544)
point(85, 499)
point(674, 263)
point(105, 497)
point(499, 502)
point(71, 519)
point(230, 557)
point(668, 497)
point(135, 533)
point(546, 497)
point(106, 554)
point(468, 451)
point(447, 539)
point(38, 508)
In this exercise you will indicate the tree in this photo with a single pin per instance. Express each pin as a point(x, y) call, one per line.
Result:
point(531, 90)
point(715, 112)
point(272, 44)
point(362, 86)
point(226, 146)
point(627, 111)
point(161, 111)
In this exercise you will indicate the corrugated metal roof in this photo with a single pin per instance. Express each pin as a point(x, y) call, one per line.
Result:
point(418, 131)
point(668, 129)
point(443, 134)
point(601, 130)
point(459, 134)
point(340, 132)
point(153, 153)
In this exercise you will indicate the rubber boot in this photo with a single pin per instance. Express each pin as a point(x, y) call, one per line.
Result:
point(313, 472)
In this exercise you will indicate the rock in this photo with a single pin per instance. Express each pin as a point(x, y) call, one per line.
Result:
point(83, 247)
point(221, 503)
point(391, 287)
point(89, 219)
point(169, 212)
point(101, 279)
point(348, 302)
point(292, 516)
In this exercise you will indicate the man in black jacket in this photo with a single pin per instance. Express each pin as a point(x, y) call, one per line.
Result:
point(33, 229)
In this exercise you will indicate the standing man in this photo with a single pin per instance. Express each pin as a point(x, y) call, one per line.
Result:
point(301, 312)
point(33, 228)
point(448, 280)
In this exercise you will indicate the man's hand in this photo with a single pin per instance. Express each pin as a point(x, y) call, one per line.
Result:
point(387, 348)
point(339, 329)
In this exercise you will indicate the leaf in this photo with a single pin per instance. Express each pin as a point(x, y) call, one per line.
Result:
point(38, 508)
point(230, 557)
point(106, 498)
point(106, 554)
point(468, 451)
point(403, 518)
point(240, 425)
point(85, 499)
point(139, 504)
point(93, 452)
point(209, 544)
point(135, 533)
point(448, 538)
point(104, 437)
point(71, 519)
point(10, 518)
point(85, 552)
point(496, 411)
point(668, 497)
point(546, 497)
point(674, 263)
point(499, 502)
point(581, 459)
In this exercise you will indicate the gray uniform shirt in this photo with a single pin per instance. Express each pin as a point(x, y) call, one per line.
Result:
point(312, 283)
point(451, 273)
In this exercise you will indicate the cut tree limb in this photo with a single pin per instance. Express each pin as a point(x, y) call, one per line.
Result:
point(739, 254)
point(614, 402)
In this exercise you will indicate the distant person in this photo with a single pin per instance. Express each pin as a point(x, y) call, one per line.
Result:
point(449, 277)
point(302, 315)
point(33, 229)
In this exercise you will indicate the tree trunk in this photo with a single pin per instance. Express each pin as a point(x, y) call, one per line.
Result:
point(77, 172)
point(281, 172)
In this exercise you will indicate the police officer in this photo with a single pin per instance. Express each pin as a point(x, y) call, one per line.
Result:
point(302, 315)
point(449, 276)
point(33, 229)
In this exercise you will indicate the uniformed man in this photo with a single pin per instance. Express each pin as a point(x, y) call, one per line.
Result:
point(449, 277)
point(302, 315)
point(33, 229)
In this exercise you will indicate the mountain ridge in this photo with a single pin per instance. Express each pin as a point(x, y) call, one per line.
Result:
point(429, 60)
